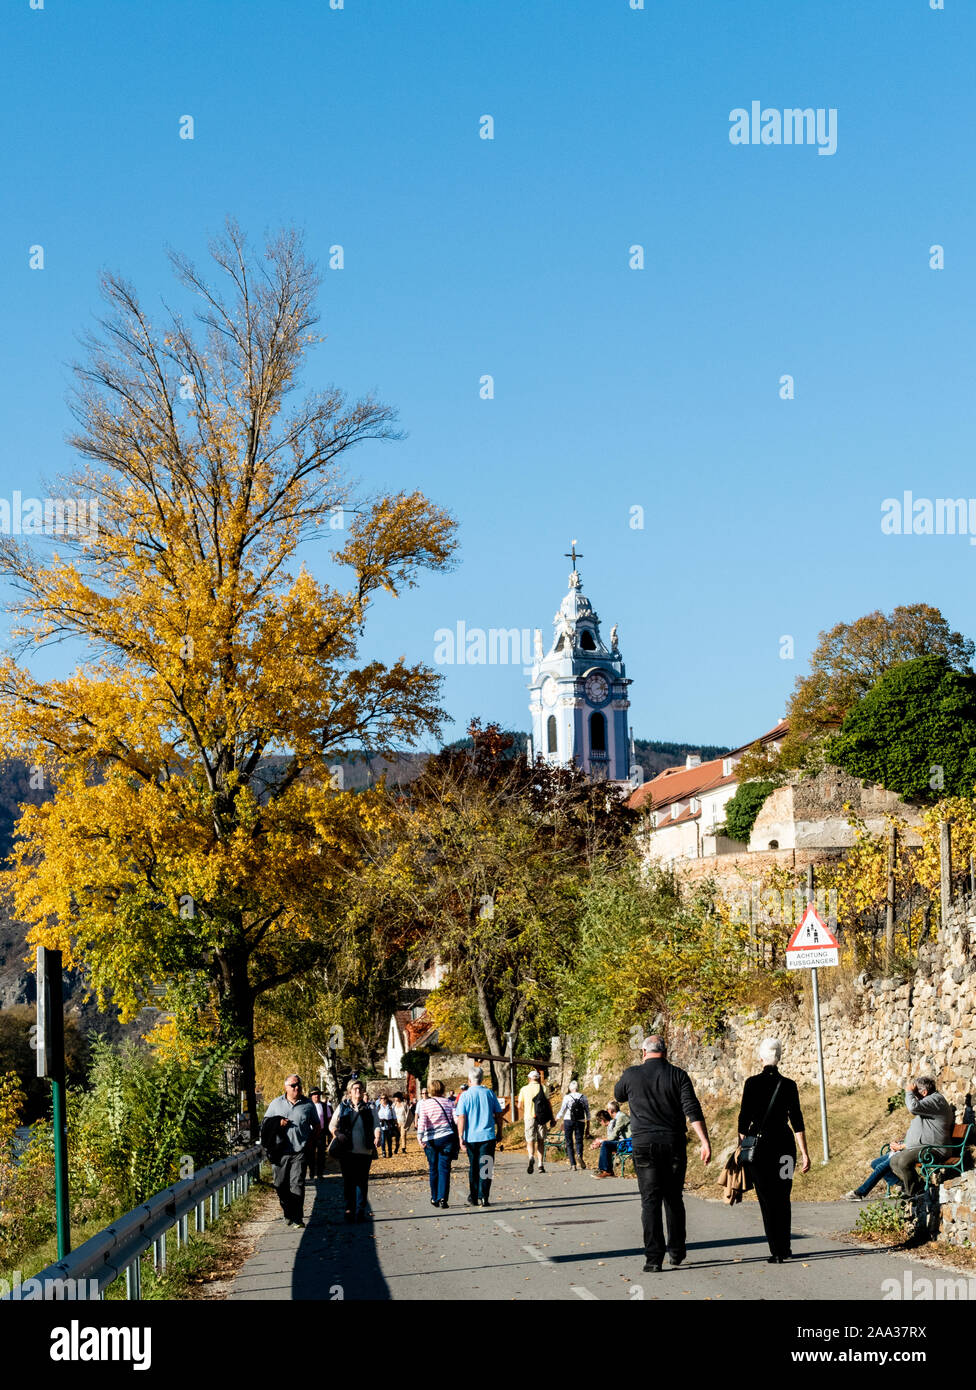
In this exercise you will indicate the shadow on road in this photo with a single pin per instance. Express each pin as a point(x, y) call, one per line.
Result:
point(335, 1260)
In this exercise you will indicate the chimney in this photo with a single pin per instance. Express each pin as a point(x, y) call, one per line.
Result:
point(693, 760)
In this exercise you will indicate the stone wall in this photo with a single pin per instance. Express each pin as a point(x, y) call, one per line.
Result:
point(953, 1217)
point(875, 1032)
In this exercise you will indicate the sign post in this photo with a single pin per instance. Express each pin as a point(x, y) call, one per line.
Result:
point(812, 947)
point(50, 1063)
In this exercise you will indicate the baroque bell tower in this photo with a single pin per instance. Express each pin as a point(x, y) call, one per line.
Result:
point(578, 693)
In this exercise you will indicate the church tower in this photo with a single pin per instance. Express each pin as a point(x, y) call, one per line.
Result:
point(578, 695)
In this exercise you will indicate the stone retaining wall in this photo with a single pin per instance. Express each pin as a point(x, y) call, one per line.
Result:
point(875, 1032)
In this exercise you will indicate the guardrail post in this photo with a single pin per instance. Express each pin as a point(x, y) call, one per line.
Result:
point(133, 1279)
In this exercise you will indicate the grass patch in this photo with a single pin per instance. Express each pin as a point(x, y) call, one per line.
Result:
point(858, 1124)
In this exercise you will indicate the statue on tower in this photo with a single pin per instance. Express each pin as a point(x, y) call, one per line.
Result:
point(613, 638)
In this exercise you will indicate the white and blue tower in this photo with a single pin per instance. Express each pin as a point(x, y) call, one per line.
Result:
point(578, 694)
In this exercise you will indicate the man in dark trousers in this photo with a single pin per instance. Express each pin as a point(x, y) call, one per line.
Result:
point(661, 1098)
point(287, 1141)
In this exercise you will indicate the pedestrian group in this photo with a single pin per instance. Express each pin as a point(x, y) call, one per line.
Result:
point(299, 1131)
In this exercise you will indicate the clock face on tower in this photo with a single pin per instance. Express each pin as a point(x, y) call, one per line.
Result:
point(596, 688)
point(549, 691)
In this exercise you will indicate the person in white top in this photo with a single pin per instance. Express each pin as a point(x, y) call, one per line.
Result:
point(575, 1115)
point(402, 1112)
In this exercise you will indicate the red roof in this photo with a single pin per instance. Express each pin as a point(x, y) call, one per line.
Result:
point(682, 783)
point(777, 732)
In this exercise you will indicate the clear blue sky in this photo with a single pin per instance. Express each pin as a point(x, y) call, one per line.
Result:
point(614, 388)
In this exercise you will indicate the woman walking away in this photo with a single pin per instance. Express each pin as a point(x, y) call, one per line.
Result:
point(438, 1137)
point(355, 1136)
point(402, 1111)
point(388, 1124)
point(575, 1115)
point(770, 1106)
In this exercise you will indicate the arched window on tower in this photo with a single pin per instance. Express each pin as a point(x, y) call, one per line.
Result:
point(598, 733)
point(551, 734)
point(587, 642)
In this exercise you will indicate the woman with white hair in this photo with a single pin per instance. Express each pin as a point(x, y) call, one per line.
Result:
point(770, 1114)
point(575, 1115)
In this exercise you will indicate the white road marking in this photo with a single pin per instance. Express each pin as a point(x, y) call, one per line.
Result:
point(537, 1254)
point(581, 1291)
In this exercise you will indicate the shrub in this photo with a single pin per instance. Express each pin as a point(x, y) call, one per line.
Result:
point(743, 808)
point(882, 1219)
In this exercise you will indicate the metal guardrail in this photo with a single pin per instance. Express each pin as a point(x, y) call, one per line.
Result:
point(119, 1248)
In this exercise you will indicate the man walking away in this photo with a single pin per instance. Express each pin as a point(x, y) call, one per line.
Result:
point(298, 1127)
point(536, 1113)
point(479, 1121)
point(661, 1099)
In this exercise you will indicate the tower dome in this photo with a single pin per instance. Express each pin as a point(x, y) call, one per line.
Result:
point(578, 693)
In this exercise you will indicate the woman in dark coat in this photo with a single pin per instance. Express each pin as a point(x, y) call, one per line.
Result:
point(772, 1172)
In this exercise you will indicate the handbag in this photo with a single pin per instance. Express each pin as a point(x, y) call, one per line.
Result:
point(455, 1149)
point(749, 1146)
point(340, 1146)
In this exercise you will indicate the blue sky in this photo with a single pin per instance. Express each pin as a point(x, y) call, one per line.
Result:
point(614, 388)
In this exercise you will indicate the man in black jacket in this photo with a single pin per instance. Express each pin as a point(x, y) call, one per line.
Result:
point(661, 1099)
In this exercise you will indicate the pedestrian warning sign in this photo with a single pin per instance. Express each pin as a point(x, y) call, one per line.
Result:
point(813, 944)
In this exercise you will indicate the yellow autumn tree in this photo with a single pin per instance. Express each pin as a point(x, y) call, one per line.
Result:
point(194, 835)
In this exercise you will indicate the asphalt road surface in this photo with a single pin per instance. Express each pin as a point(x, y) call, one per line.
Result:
point(558, 1235)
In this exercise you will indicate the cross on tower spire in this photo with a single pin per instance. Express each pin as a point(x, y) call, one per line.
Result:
point(572, 553)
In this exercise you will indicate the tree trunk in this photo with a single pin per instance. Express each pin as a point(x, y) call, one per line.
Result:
point(490, 1025)
point(330, 1073)
point(238, 1002)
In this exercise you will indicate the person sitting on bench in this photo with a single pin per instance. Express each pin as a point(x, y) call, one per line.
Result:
point(931, 1127)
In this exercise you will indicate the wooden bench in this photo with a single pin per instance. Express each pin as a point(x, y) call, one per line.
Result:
point(954, 1160)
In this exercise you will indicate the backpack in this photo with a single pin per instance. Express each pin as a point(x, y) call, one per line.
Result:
point(541, 1108)
point(577, 1110)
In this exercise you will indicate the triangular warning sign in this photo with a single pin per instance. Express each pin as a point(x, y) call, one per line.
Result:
point(812, 934)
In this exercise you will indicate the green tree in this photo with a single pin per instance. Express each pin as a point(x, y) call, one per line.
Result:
point(851, 657)
point(914, 732)
point(482, 863)
point(743, 808)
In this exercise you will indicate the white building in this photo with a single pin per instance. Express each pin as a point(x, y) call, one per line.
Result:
point(685, 806)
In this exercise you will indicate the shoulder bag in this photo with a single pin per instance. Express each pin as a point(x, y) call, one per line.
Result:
point(749, 1146)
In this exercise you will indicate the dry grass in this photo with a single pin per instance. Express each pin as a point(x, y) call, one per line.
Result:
point(858, 1124)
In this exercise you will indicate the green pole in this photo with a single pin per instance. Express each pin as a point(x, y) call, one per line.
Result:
point(50, 1063)
point(63, 1210)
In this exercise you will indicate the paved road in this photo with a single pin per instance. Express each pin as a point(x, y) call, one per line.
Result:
point(558, 1235)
